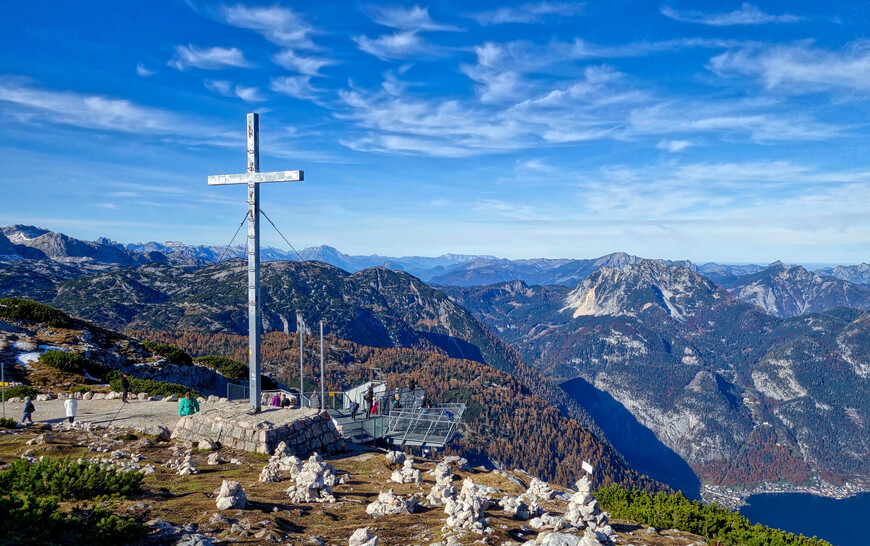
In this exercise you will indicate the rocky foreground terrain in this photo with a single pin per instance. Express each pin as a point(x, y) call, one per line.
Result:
point(200, 494)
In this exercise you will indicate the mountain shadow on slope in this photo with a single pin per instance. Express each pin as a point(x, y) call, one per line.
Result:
point(639, 445)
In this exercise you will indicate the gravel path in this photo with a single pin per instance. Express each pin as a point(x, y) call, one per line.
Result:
point(134, 414)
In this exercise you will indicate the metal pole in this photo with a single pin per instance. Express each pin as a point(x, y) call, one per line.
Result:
point(3, 377)
point(322, 390)
point(254, 326)
point(300, 327)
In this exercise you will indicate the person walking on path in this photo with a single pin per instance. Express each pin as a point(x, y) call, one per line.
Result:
point(125, 386)
point(368, 398)
point(28, 411)
point(71, 405)
point(188, 405)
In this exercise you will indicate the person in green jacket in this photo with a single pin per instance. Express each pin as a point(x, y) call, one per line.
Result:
point(188, 405)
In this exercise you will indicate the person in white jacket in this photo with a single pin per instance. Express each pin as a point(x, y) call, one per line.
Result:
point(72, 406)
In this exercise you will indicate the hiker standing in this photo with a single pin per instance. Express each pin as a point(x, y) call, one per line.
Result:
point(188, 405)
point(354, 407)
point(125, 386)
point(28, 411)
point(71, 405)
point(368, 397)
point(412, 385)
point(276, 400)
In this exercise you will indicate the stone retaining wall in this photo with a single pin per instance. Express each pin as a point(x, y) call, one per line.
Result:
point(304, 431)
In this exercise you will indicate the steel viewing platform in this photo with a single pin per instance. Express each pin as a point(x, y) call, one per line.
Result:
point(414, 423)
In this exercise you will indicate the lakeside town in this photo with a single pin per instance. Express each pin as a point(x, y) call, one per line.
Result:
point(734, 498)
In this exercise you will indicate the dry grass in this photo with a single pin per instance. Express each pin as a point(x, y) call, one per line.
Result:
point(191, 499)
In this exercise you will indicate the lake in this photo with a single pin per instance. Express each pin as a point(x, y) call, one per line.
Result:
point(840, 522)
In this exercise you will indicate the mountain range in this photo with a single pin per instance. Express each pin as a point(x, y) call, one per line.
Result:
point(667, 362)
point(718, 373)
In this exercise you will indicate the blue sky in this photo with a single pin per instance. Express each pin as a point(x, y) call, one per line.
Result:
point(703, 130)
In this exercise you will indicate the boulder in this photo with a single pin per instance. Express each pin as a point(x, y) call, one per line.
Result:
point(171, 398)
point(157, 398)
point(88, 395)
point(466, 511)
point(408, 474)
point(99, 396)
point(160, 431)
point(142, 396)
point(207, 445)
point(215, 459)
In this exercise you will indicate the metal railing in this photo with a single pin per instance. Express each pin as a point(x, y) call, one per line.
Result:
point(425, 426)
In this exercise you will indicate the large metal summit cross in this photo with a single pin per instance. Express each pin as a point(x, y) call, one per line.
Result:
point(253, 178)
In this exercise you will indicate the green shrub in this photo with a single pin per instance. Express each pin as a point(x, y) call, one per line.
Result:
point(21, 391)
point(153, 388)
point(73, 363)
point(67, 480)
point(29, 519)
point(677, 512)
point(81, 388)
point(170, 352)
point(231, 369)
point(32, 311)
point(7, 423)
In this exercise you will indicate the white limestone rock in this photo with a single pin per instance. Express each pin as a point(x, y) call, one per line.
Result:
point(395, 457)
point(231, 496)
point(541, 489)
point(390, 504)
point(362, 537)
point(408, 474)
point(215, 459)
point(515, 507)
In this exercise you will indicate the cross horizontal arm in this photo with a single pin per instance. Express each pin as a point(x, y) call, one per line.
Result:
point(256, 178)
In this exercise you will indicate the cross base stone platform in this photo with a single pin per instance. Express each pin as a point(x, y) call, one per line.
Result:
point(303, 430)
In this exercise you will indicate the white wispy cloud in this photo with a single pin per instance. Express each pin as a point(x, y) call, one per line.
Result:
point(527, 13)
point(278, 24)
point(208, 58)
point(296, 86)
point(34, 105)
point(414, 18)
point(144, 72)
point(800, 68)
point(674, 146)
point(495, 84)
point(394, 46)
point(304, 64)
point(228, 89)
point(761, 123)
point(746, 15)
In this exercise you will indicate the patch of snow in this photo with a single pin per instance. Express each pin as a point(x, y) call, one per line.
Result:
point(26, 358)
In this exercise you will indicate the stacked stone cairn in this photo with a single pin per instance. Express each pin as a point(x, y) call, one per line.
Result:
point(314, 481)
point(231, 496)
point(281, 462)
point(466, 511)
point(585, 513)
point(391, 504)
point(408, 474)
point(182, 464)
point(443, 488)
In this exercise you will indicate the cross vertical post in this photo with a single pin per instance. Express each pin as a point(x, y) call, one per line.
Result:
point(254, 323)
point(253, 178)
